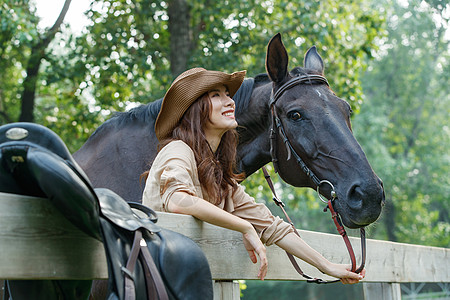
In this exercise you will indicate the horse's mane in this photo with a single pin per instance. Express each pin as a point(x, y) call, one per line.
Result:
point(145, 113)
point(261, 79)
point(299, 71)
point(242, 96)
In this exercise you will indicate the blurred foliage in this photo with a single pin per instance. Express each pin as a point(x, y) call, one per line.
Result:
point(122, 59)
point(404, 126)
point(17, 32)
point(288, 290)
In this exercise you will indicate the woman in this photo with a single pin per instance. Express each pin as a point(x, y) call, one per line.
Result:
point(194, 171)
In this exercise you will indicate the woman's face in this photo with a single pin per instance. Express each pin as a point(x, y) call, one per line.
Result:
point(221, 116)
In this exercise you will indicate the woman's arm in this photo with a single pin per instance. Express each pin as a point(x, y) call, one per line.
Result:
point(293, 244)
point(183, 203)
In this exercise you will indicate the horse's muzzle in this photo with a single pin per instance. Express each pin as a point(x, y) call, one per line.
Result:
point(363, 204)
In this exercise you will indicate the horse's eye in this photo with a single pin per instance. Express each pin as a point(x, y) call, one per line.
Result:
point(295, 115)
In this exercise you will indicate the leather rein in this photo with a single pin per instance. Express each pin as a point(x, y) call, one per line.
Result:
point(277, 126)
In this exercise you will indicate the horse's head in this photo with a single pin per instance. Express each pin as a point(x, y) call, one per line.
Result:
point(317, 124)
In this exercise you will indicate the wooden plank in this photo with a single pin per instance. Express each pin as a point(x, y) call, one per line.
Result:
point(36, 241)
point(386, 261)
point(226, 290)
point(382, 291)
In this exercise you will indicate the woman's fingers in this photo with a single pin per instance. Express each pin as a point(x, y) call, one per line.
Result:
point(254, 245)
point(351, 277)
point(344, 273)
point(363, 273)
point(250, 250)
point(263, 268)
point(252, 255)
point(264, 263)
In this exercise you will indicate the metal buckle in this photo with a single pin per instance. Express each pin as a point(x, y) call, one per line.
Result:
point(333, 192)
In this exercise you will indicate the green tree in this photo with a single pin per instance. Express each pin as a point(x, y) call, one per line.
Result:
point(403, 127)
point(17, 31)
point(18, 34)
point(404, 124)
point(37, 54)
point(132, 50)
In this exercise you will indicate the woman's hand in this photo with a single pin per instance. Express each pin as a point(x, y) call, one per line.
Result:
point(253, 244)
point(344, 273)
point(293, 244)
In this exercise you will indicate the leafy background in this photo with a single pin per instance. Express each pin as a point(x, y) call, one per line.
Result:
point(388, 58)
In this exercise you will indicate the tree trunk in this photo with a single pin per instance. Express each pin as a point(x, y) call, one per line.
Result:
point(34, 62)
point(180, 39)
point(29, 84)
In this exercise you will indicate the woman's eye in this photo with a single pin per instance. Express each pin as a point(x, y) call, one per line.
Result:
point(295, 116)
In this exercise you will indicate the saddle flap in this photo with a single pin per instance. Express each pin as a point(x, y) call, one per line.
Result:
point(119, 212)
point(184, 266)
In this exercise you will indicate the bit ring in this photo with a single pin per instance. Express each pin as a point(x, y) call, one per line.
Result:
point(333, 192)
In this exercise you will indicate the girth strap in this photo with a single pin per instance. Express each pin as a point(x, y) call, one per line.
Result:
point(152, 276)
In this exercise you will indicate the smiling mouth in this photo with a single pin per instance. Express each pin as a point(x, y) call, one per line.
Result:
point(228, 114)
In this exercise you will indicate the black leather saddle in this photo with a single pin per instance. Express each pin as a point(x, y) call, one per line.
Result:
point(144, 260)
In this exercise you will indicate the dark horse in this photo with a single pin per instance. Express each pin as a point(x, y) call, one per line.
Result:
point(316, 121)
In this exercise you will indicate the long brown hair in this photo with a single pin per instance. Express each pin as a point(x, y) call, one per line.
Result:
point(216, 171)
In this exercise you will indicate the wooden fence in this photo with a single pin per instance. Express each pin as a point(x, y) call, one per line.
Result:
point(37, 242)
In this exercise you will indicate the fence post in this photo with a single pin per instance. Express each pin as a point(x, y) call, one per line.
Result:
point(382, 291)
point(226, 290)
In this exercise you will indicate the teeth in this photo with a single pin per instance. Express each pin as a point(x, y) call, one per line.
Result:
point(228, 114)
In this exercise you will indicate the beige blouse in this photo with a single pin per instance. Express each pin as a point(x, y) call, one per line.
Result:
point(175, 170)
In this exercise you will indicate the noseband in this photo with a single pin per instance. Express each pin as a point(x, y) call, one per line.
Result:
point(277, 128)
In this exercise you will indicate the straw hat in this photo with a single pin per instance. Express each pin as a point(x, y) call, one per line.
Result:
point(187, 88)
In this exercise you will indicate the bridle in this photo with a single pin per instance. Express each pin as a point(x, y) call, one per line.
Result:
point(277, 128)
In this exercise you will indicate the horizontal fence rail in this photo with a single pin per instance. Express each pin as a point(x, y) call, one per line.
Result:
point(37, 242)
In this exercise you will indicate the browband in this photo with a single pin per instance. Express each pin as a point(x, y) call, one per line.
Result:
point(294, 81)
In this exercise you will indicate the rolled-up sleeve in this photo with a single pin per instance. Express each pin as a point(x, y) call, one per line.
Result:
point(270, 228)
point(172, 171)
point(175, 178)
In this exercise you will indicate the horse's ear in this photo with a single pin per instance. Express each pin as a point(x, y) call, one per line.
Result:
point(276, 59)
point(313, 60)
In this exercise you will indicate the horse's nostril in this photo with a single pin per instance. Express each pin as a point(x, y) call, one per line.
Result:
point(360, 196)
point(355, 199)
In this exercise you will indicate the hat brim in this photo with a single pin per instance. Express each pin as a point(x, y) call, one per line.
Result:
point(186, 90)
